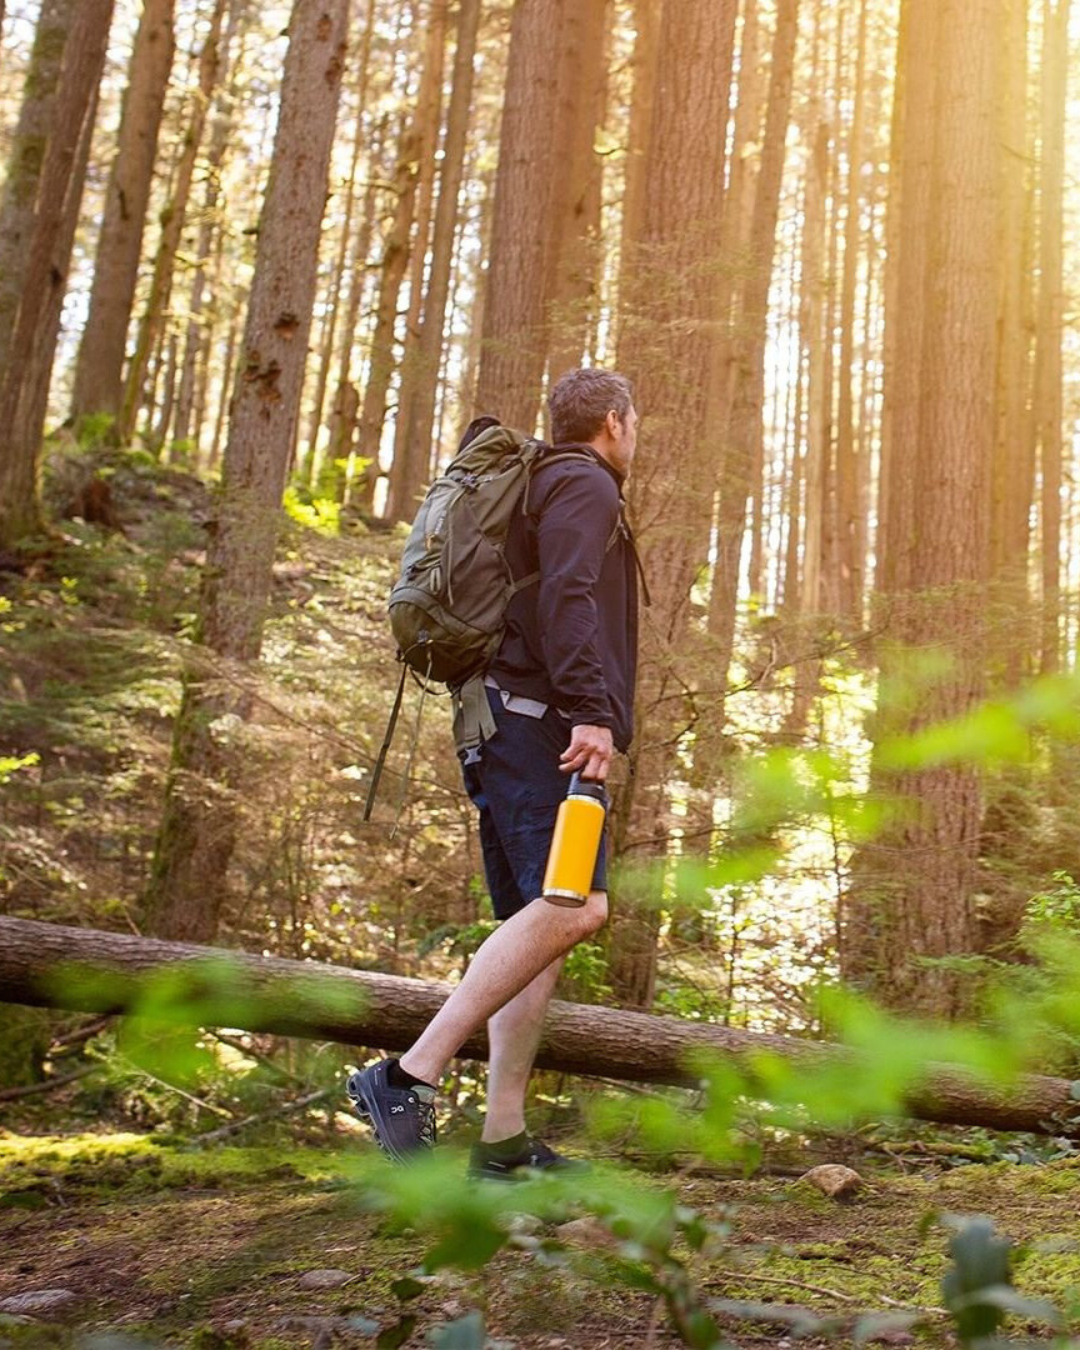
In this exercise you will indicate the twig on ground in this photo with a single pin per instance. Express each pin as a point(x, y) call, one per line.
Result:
point(79, 1035)
point(249, 1052)
point(180, 1092)
point(50, 1085)
point(235, 1126)
point(737, 1276)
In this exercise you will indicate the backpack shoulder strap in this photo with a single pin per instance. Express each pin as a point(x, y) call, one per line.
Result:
point(542, 462)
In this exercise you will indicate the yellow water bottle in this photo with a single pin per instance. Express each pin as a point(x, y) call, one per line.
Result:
point(575, 843)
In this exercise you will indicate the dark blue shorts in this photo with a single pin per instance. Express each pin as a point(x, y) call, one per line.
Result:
point(517, 787)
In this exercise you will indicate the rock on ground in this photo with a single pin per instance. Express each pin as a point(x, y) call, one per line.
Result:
point(38, 1301)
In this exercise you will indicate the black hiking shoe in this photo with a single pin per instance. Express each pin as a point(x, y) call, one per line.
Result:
point(485, 1163)
point(403, 1118)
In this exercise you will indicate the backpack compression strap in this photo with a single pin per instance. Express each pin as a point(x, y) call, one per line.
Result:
point(473, 720)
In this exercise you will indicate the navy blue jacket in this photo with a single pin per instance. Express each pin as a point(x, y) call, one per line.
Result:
point(571, 639)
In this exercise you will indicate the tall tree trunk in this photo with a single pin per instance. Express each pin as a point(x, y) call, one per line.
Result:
point(1050, 319)
point(849, 559)
point(1013, 472)
point(431, 119)
point(190, 396)
point(812, 302)
point(418, 136)
point(748, 349)
point(475, 322)
point(737, 220)
point(647, 15)
point(329, 339)
point(99, 367)
point(937, 589)
point(349, 336)
point(514, 336)
point(575, 217)
point(380, 369)
point(666, 345)
point(27, 430)
point(60, 185)
point(172, 229)
point(201, 814)
point(26, 158)
point(416, 415)
point(830, 558)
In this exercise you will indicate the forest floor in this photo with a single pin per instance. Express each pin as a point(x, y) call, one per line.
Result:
point(155, 1243)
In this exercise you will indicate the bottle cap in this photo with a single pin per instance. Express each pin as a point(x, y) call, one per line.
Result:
point(587, 787)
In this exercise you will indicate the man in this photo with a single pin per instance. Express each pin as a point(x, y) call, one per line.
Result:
point(561, 692)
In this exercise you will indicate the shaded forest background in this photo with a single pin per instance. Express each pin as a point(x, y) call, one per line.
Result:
point(258, 270)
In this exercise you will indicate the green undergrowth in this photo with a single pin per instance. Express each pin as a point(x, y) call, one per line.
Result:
point(170, 1246)
point(132, 1162)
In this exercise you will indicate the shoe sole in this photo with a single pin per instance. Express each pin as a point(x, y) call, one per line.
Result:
point(366, 1106)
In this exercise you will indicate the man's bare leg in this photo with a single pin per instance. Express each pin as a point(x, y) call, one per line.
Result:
point(514, 1037)
point(507, 963)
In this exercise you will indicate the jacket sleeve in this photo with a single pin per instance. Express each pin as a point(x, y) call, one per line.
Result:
point(576, 517)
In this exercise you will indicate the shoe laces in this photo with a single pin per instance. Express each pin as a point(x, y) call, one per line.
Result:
point(426, 1112)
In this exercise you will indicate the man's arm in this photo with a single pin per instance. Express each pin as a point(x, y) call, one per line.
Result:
point(576, 519)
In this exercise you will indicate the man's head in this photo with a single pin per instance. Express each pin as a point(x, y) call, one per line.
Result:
point(596, 407)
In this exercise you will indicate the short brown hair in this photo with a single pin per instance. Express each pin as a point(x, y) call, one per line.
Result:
point(581, 399)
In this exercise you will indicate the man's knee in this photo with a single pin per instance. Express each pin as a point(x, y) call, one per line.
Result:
point(582, 919)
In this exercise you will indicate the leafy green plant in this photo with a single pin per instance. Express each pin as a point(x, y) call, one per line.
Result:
point(12, 764)
point(322, 514)
point(978, 1289)
point(1056, 909)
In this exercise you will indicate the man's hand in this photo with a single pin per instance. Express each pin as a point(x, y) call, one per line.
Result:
point(589, 752)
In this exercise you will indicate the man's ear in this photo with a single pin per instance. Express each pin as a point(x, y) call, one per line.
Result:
point(613, 422)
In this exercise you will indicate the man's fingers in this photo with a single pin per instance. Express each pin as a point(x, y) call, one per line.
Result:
point(596, 768)
point(589, 752)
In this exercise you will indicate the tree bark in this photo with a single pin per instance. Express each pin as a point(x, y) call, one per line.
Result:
point(850, 564)
point(26, 158)
point(937, 578)
point(28, 428)
point(172, 229)
point(1050, 318)
point(47, 965)
point(1013, 473)
point(199, 825)
point(349, 337)
point(99, 367)
point(647, 15)
point(572, 266)
point(430, 120)
point(403, 238)
point(416, 415)
point(75, 103)
point(812, 302)
point(667, 337)
point(514, 335)
point(748, 349)
point(328, 341)
point(190, 396)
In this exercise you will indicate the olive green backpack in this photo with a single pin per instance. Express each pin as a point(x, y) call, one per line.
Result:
point(448, 606)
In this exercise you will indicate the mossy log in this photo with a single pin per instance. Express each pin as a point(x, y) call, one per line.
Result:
point(47, 965)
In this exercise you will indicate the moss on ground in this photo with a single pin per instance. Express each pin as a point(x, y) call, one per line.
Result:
point(207, 1249)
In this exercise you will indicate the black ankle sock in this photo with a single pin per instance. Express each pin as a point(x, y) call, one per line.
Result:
point(507, 1148)
point(401, 1078)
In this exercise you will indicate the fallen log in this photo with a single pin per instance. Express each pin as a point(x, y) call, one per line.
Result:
point(86, 970)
